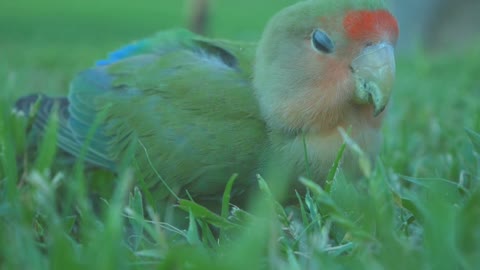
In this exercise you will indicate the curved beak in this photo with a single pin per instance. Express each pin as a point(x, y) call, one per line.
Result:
point(374, 72)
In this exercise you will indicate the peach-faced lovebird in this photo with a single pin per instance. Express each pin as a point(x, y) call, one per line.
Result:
point(190, 111)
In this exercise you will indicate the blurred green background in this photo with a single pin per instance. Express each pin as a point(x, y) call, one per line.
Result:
point(437, 25)
point(44, 43)
point(70, 35)
point(63, 30)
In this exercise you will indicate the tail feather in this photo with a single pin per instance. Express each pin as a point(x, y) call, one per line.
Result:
point(40, 107)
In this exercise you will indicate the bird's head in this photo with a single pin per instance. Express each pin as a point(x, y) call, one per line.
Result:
point(320, 65)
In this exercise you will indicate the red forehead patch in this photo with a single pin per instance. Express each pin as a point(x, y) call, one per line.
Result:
point(361, 24)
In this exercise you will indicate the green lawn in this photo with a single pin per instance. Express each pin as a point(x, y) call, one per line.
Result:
point(418, 209)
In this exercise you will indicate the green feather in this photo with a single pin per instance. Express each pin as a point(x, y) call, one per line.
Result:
point(190, 105)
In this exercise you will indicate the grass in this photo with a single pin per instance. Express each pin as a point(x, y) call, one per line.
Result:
point(419, 208)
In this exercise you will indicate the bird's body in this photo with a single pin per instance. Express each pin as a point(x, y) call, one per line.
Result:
point(189, 111)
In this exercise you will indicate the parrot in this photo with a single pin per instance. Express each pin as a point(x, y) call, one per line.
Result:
point(189, 111)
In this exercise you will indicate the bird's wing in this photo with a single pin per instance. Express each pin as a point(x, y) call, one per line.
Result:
point(186, 102)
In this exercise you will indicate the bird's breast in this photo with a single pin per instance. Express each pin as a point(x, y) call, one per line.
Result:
point(317, 152)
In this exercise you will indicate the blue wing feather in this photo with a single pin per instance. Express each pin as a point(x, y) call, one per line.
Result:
point(122, 53)
point(160, 43)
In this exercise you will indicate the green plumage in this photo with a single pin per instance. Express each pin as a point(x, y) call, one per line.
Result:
point(187, 105)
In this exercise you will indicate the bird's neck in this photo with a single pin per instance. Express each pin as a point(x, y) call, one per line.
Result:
point(355, 118)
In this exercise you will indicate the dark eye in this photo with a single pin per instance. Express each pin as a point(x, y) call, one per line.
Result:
point(321, 42)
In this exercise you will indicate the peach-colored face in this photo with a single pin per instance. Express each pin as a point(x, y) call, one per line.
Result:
point(360, 28)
